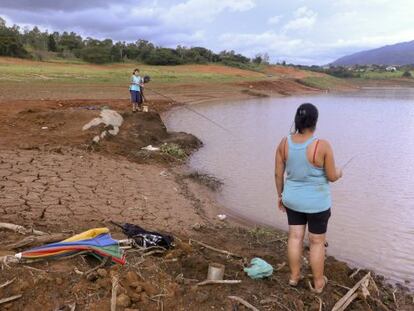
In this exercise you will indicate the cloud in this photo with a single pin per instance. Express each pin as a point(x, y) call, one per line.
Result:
point(201, 11)
point(274, 20)
point(304, 18)
point(53, 5)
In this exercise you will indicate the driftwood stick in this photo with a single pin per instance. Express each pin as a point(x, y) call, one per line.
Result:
point(48, 238)
point(348, 302)
point(280, 266)
point(208, 282)
point(350, 295)
point(102, 264)
point(4, 300)
point(20, 229)
point(320, 303)
point(355, 273)
point(395, 299)
point(7, 283)
point(243, 302)
point(216, 249)
point(115, 282)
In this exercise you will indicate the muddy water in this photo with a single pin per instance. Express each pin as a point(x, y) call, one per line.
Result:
point(372, 222)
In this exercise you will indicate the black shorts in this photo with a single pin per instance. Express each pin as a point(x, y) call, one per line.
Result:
point(136, 97)
point(317, 222)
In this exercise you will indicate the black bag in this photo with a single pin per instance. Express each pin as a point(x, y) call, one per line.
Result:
point(146, 238)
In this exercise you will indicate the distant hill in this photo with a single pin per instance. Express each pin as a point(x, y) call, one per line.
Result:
point(396, 54)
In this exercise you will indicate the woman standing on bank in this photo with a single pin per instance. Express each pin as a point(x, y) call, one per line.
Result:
point(135, 90)
point(305, 195)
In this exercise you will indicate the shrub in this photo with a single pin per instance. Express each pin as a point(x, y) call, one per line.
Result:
point(407, 74)
point(173, 150)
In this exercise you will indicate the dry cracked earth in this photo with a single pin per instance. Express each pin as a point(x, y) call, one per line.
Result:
point(79, 190)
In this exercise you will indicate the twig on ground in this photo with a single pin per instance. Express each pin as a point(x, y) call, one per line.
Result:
point(339, 285)
point(115, 282)
point(34, 269)
point(350, 295)
point(153, 252)
point(208, 282)
point(375, 286)
point(20, 229)
point(395, 299)
point(7, 283)
point(320, 303)
point(281, 305)
point(243, 302)
point(216, 249)
point(102, 264)
point(8, 299)
point(48, 238)
point(354, 273)
point(280, 266)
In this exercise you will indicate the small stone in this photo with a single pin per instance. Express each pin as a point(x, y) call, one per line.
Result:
point(102, 273)
point(59, 281)
point(149, 289)
point(104, 283)
point(123, 301)
point(201, 297)
point(132, 277)
point(92, 277)
point(196, 227)
point(135, 297)
point(144, 298)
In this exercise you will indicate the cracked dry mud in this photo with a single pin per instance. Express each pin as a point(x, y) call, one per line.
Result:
point(78, 190)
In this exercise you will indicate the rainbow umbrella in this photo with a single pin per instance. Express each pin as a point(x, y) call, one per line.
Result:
point(97, 242)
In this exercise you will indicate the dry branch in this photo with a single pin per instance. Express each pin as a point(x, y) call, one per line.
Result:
point(20, 229)
point(216, 249)
point(243, 302)
point(208, 282)
point(350, 295)
point(49, 238)
point(115, 281)
point(7, 283)
point(8, 299)
point(355, 273)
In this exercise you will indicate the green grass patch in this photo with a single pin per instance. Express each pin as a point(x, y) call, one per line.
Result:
point(323, 83)
point(174, 151)
point(77, 72)
point(383, 75)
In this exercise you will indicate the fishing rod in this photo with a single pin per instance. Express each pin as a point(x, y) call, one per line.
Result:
point(188, 108)
point(349, 161)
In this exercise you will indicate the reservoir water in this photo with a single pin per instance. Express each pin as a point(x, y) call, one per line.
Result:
point(372, 223)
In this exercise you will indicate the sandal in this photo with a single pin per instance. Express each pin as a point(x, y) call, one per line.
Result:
point(295, 283)
point(318, 290)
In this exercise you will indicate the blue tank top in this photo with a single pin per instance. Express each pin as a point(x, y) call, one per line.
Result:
point(306, 187)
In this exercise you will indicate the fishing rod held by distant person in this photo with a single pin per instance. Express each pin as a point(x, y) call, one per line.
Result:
point(190, 109)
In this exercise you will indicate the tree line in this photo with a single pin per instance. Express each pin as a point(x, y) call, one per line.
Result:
point(37, 44)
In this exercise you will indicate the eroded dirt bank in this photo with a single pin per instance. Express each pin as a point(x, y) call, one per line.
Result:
point(53, 178)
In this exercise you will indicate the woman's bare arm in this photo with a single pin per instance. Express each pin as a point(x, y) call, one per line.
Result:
point(332, 173)
point(280, 170)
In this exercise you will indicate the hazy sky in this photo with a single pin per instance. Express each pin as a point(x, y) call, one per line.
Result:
point(299, 31)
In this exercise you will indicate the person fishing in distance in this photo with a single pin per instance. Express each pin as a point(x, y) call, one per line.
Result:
point(135, 90)
point(305, 194)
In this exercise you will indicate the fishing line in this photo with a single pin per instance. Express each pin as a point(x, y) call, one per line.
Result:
point(184, 105)
point(349, 161)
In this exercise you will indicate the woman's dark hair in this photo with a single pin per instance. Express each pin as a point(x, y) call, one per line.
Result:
point(135, 70)
point(306, 117)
